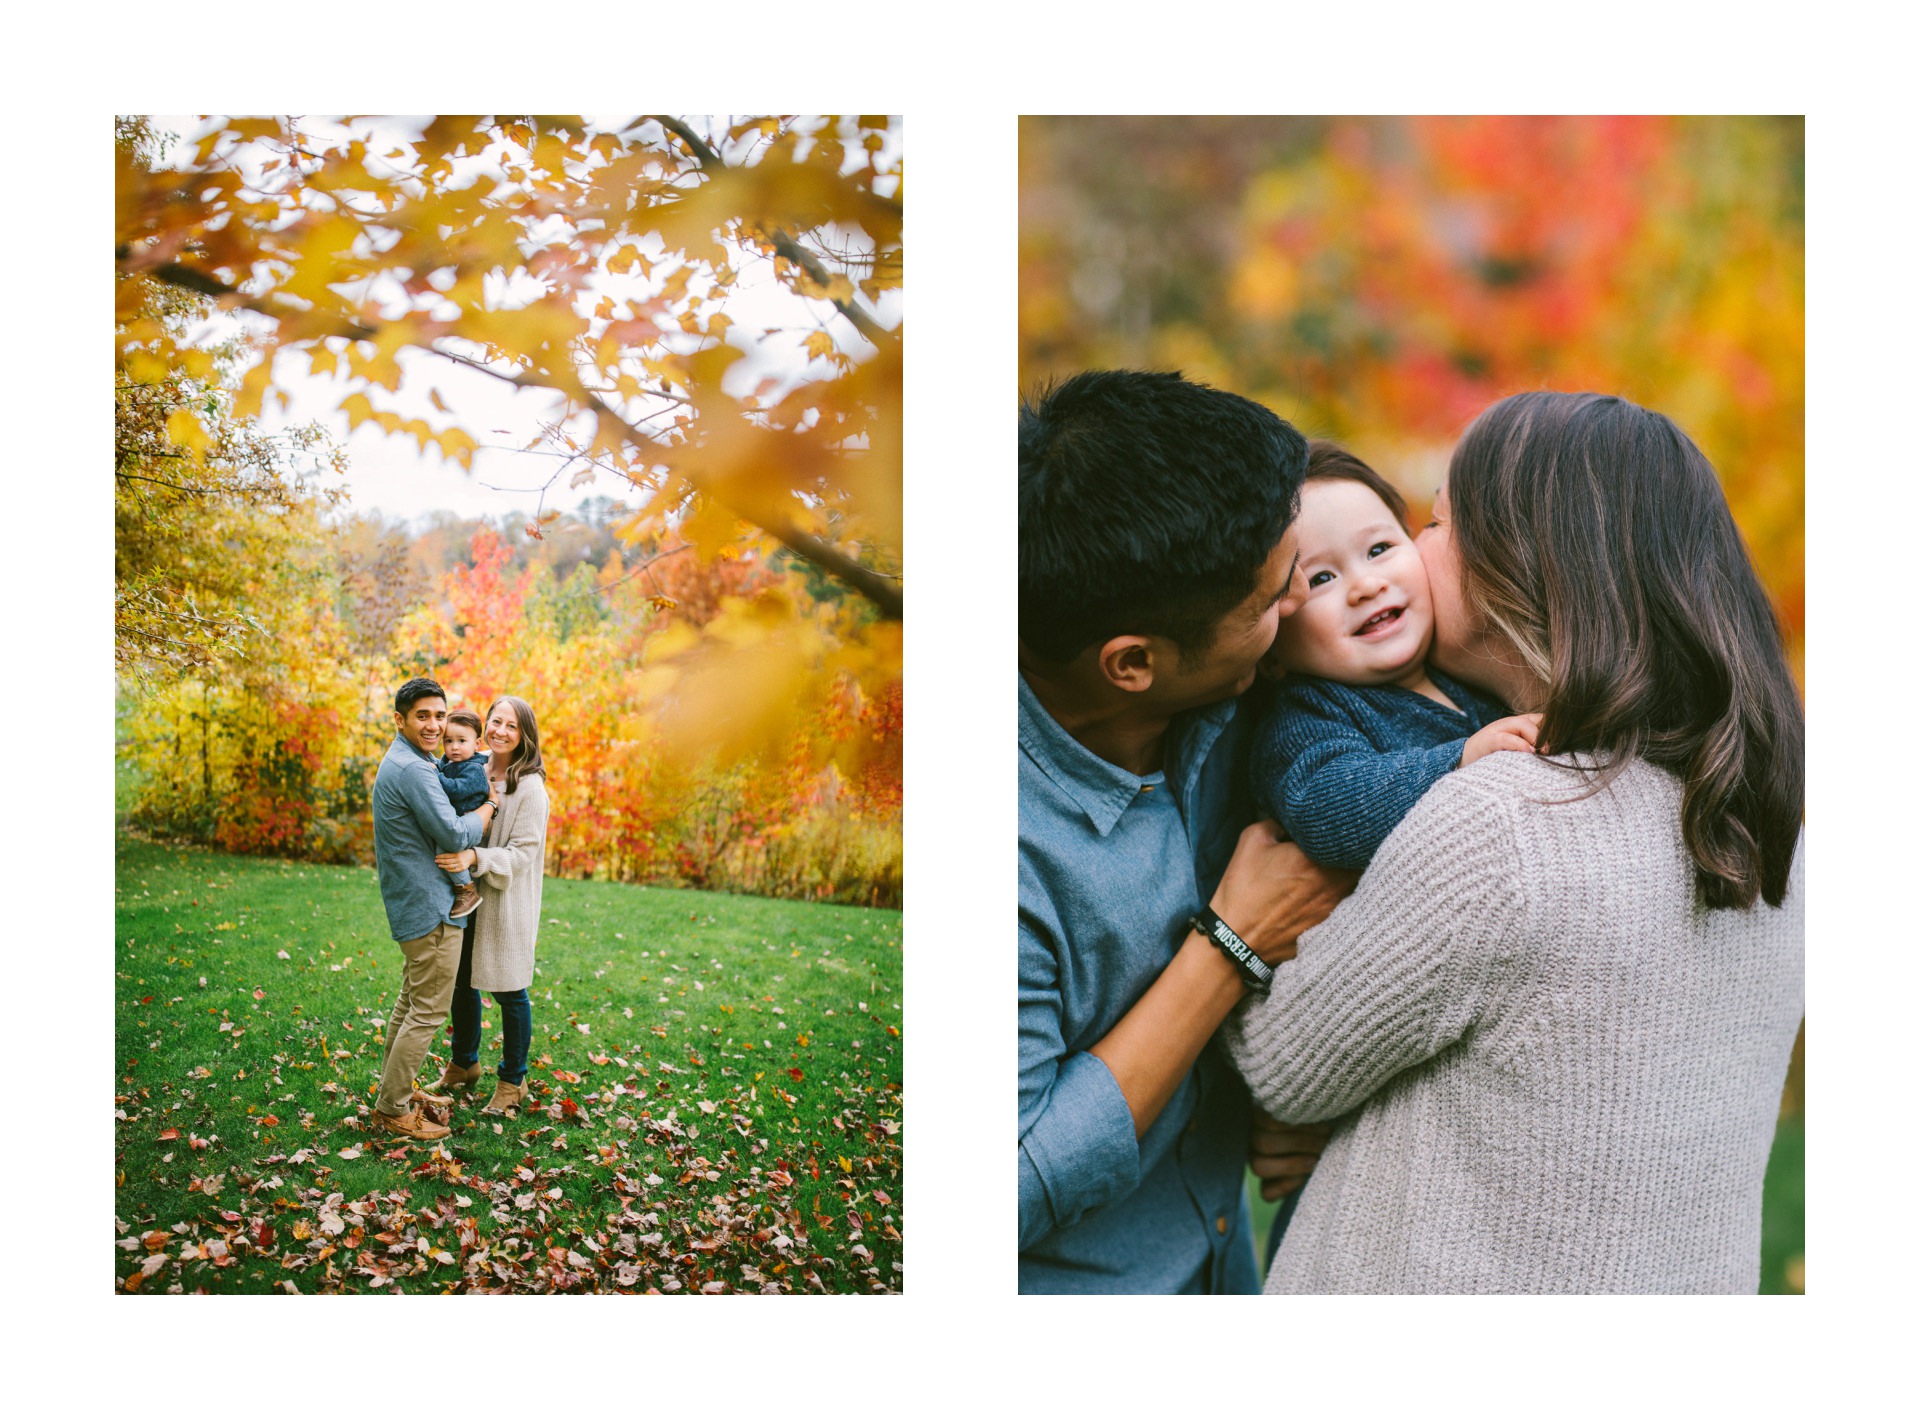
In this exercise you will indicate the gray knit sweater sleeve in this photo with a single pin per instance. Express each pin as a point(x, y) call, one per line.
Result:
point(1399, 970)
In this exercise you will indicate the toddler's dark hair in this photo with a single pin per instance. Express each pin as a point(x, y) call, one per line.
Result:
point(1328, 461)
point(467, 718)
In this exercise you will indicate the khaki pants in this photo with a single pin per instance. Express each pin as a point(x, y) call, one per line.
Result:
point(426, 992)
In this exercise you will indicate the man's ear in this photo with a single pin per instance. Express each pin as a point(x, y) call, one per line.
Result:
point(1128, 662)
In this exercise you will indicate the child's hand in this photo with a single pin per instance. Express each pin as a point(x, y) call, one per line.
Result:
point(1516, 732)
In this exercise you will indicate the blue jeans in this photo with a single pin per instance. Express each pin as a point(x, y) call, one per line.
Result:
point(516, 1021)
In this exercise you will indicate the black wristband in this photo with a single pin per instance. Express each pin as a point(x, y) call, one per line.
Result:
point(1255, 972)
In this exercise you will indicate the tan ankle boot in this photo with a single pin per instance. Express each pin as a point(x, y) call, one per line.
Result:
point(508, 1097)
point(457, 1076)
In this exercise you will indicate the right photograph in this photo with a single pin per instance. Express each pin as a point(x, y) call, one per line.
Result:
point(1411, 724)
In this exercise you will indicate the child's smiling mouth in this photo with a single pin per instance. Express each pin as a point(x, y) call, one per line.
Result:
point(1380, 623)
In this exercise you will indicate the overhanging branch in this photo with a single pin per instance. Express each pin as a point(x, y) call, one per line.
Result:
point(871, 585)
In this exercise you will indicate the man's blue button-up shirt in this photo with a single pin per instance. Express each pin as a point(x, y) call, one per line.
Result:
point(412, 823)
point(1111, 866)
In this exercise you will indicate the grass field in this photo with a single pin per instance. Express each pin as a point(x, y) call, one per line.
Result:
point(715, 1083)
point(1783, 1213)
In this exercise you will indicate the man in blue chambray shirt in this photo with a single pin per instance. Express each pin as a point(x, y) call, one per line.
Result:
point(1156, 560)
point(412, 823)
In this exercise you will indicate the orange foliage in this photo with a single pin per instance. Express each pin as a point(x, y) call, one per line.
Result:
point(1383, 280)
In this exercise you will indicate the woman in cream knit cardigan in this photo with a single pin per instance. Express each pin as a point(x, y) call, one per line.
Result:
point(497, 955)
point(1552, 1023)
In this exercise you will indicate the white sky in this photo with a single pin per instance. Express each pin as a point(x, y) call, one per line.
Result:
point(392, 475)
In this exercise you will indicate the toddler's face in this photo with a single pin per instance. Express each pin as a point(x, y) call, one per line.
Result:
point(460, 742)
point(1368, 616)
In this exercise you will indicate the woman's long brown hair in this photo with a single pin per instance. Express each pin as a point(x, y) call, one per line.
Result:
point(526, 755)
point(1594, 537)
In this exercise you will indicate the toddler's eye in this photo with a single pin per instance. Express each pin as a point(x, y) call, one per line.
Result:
point(1325, 575)
point(1378, 549)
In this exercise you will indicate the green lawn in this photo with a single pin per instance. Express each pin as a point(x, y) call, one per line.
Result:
point(715, 1084)
point(1783, 1213)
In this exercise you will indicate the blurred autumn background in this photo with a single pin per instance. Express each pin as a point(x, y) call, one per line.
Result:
point(688, 328)
point(1379, 281)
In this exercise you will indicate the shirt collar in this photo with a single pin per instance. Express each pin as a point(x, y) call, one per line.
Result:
point(400, 741)
point(1100, 789)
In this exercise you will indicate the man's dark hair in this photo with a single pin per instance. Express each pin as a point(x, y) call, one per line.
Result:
point(416, 689)
point(1148, 504)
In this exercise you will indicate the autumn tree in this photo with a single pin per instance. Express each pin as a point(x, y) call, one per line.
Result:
point(702, 315)
point(205, 504)
point(590, 262)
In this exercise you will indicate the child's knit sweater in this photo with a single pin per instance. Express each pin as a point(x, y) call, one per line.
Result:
point(1339, 766)
point(465, 782)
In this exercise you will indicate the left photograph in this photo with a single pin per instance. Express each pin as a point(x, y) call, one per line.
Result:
point(508, 603)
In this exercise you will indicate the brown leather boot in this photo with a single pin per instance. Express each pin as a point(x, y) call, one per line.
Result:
point(508, 1097)
point(456, 1077)
point(415, 1125)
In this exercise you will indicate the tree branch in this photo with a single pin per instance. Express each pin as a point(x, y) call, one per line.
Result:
point(702, 153)
point(169, 484)
point(869, 584)
point(783, 242)
point(644, 567)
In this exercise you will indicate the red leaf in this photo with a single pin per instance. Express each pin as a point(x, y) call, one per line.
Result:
point(168, 1135)
point(796, 1074)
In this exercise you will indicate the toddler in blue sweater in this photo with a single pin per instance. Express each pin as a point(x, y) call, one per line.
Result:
point(1361, 727)
point(463, 773)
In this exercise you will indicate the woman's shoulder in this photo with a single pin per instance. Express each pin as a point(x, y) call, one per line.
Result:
point(1542, 813)
point(1558, 780)
point(1515, 796)
point(530, 787)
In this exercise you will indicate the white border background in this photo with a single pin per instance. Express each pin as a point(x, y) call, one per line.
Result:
point(960, 77)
